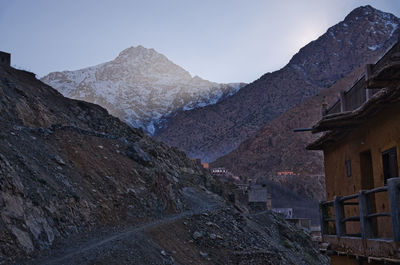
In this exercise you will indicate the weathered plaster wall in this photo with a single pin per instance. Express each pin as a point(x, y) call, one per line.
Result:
point(377, 135)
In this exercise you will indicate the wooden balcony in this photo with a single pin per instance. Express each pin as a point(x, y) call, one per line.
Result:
point(352, 98)
point(383, 73)
point(366, 243)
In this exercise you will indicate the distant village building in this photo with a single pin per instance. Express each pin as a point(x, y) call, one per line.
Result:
point(361, 217)
point(205, 165)
point(219, 171)
point(283, 176)
point(224, 175)
point(258, 198)
point(5, 58)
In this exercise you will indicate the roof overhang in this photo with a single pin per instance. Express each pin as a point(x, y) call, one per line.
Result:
point(338, 125)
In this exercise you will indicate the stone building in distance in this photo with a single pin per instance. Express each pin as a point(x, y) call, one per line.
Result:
point(360, 221)
point(5, 58)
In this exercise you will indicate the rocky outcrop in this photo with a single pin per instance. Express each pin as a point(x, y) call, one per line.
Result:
point(228, 237)
point(140, 86)
point(68, 167)
point(215, 130)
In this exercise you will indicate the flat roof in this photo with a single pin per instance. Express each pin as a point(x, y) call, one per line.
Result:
point(339, 125)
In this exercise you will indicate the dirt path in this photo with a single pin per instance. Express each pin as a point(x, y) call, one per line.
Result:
point(91, 251)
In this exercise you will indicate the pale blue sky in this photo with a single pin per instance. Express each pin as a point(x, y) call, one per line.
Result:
point(219, 40)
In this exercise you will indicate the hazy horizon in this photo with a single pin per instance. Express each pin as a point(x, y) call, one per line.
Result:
point(222, 41)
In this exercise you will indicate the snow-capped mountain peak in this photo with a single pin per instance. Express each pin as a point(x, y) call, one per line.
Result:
point(140, 86)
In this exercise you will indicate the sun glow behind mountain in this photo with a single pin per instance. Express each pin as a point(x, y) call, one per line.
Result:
point(309, 33)
point(222, 41)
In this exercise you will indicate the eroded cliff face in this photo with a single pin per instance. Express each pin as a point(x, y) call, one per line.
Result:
point(68, 167)
point(213, 131)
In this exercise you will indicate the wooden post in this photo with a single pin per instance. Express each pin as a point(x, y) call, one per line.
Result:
point(394, 201)
point(368, 94)
point(324, 106)
point(322, 215)
point(364, 205)
point(342, 102)
point(339, 215)
point(368, 72)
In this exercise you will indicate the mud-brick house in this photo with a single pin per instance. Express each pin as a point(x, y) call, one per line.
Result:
point(360, 220)
point(259, 198)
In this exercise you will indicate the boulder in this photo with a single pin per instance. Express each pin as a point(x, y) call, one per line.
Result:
point(136, 153)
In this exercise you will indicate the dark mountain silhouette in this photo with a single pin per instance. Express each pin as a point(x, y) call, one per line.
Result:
point(213, 131)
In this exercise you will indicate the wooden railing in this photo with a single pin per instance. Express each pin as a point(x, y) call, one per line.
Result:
point(335, 108)
point(361, 91)
point(365, 216)
point(353, 98)
point(384, 60)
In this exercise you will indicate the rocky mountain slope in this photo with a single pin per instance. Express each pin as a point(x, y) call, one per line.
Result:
point(215, 130)
point(141, 86)
point(276, 148)
point(67, 166)
point(78, 186)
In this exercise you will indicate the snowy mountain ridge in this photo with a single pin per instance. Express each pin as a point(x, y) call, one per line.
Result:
point(140, 86)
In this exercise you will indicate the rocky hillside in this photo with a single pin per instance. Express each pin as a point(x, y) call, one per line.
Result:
point(140, 86)
point(215, 130)
point(224, 236)
point(78, 186)
point(67, 167)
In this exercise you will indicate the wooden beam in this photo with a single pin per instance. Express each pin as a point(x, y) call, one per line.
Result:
point(323, 214)
point(379, 84)
point(342, 102)
point(367, 230)
point(368, 72)
point(339, 216)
